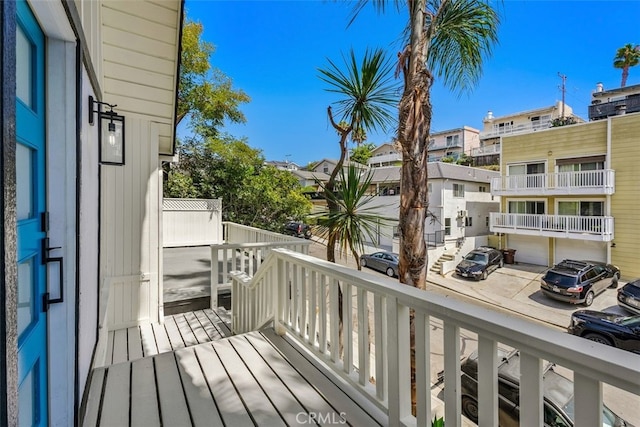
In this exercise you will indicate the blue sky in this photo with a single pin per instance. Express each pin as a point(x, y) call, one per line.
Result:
point(272, 50)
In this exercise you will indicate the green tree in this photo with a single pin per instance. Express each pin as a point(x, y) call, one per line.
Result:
point(205, 94)
point(626, 57)
point(368, 95)
point(252, 193)
point(447, 39)
point(362, 153)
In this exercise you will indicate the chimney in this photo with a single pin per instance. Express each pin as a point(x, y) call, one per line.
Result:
point(599, 87)
point(489, 116)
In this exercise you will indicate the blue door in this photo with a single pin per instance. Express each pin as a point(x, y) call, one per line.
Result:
point(30, 208)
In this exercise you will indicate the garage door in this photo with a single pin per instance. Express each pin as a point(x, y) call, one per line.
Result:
point(580, 249)
point(530, 249)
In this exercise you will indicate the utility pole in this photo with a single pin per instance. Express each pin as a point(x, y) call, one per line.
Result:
point(563, 88)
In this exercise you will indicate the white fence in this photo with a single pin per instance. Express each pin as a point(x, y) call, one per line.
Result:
point(191, 222)
point(300, 295)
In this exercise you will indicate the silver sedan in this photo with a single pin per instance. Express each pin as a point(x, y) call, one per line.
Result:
point(386, 262)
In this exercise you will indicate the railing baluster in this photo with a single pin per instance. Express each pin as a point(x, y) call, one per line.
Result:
point(295, 294)
point(304, 320)
point(347, 327)
point(587, 401)
point(488, 382)
point(399, 396)
point(380, 330)
point(423, 371)
point(452, 374)
point(334, 319)
point(313, 307)
point(287, 300)
point(322, 335)
point(215, 276)
point(531, 391)
point(363, 336)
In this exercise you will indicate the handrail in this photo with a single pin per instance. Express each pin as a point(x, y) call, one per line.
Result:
point(595, 181)
point(299, 293)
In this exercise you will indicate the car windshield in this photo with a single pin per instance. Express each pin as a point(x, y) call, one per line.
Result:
point(476, 257)
point(608, 417)
point(631, 321)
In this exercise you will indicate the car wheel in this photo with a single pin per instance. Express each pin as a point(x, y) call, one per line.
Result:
point(598, 338)
point(390, 272)
point(470, 408)
point(501, 263)
point(614, 281)
point(484, 275)
point(363, 263)
point(588, 300)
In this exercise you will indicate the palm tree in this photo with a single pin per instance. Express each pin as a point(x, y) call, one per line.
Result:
point(626, 57)
point(355, 221)
point(447, 39)
point(368, 94)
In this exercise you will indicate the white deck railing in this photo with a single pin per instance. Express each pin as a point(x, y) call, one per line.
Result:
point(299, 294)
point(598, 228)
point(244, 251)
point(484, 151)
point(237, 233)
point(515, 129)
point(578, 182)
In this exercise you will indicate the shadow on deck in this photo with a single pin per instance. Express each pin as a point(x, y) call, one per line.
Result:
point(258, 378)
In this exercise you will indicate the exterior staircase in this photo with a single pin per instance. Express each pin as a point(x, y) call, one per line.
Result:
point(450, 255)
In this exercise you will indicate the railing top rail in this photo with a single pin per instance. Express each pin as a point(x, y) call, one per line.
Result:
point(296, 242)
point(551, 215)
point(606, 364)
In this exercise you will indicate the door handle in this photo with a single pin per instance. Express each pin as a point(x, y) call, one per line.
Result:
point(46, 259)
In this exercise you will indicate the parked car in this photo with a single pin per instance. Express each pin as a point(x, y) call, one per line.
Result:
point(578, 282)
point(386, 262)
point(298, 229)
point(480, 262)
point(607, 328)
point(558, 394)
point(629, 296)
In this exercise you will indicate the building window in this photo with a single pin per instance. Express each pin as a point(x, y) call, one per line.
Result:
point(447, 226)
point(576, 208)
point(468, 221)
point(452, 140)
point(325, 169)
point(482, 189)
point(396, 231)
point(458, 190)
point(486, 221)
point(526, 207)
point(429, 188)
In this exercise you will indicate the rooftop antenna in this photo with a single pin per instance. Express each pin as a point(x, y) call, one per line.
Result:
point(563, 88)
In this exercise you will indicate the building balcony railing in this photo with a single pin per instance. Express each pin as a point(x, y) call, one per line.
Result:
point(445, 146)
point(607, 109)
point(370, 349)
point(577, 182)
point(596, 228)
point(515, 129)
point(385, 158)
point(485, 151)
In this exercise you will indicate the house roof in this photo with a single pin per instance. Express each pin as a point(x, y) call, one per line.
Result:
point(437, 170)
point(311, 175)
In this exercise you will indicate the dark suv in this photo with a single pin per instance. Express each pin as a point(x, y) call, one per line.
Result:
point(298, 229)
point(480, 262)
point(557, 391)
point(578, 282)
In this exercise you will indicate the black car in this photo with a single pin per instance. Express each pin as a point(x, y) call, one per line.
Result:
point(578, 282)
point(386, 262)
point(629, 296)
point(480, 262)
point(298, 229)
point(558, 394)
point(607, 328)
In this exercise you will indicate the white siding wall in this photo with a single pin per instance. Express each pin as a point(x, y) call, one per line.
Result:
point(130, 210)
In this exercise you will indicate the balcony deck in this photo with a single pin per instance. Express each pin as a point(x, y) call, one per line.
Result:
point(257, 378)
point(177, 331)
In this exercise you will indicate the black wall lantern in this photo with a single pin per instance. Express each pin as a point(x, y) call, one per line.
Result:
point(110, 132)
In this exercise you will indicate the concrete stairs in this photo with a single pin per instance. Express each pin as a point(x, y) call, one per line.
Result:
point(450, 255)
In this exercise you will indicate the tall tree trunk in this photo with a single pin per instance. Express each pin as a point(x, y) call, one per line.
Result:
point(413, 135)
point(625, 75)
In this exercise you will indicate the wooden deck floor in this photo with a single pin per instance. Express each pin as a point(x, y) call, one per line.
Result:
point(178, 331)
point(254, 379)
